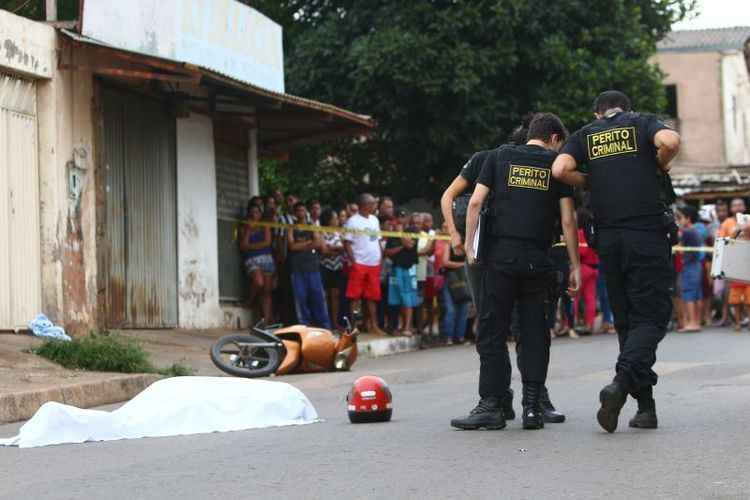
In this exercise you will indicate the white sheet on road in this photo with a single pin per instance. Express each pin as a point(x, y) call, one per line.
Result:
point(171, 407)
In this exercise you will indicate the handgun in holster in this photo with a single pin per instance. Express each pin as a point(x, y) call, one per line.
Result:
point(668, 197)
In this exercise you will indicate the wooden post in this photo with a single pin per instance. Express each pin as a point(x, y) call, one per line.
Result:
point(51, 10)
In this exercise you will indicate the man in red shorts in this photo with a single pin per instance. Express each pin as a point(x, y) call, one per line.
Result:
point(365, 254)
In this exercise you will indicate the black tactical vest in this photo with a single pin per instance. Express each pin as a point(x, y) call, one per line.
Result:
point(622, 169)
point(525, 197)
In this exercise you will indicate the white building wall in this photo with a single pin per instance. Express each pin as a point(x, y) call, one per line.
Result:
point(736, 103)
point(28, 47)
point(198, 265)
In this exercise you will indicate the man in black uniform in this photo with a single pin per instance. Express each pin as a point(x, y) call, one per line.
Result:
point(516, 237)
point(627, 155)
point(453, 205)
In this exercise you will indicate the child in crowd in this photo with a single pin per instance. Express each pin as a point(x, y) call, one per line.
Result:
point(691, 277)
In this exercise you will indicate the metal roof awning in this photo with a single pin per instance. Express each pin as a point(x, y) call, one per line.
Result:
point(283, 120)
point(714, 182)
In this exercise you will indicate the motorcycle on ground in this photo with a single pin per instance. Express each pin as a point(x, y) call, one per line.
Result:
point(281, 350)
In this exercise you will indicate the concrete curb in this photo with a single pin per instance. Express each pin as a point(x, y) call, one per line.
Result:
point(22, 405)
point(388, 345)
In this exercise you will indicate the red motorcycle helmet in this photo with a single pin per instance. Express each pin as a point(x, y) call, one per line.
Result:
point(369, 400)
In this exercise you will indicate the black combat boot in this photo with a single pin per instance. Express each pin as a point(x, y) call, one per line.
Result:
point(533, 415)
point(488, 414)
point(508, 411)
point(645, 418)
point(612, 398)
point(551, 415)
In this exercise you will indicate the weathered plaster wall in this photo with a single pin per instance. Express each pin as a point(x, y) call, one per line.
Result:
point(26, 47)
point(198, 265)
point(69, 262)
point(697, 76)
point(735, 84)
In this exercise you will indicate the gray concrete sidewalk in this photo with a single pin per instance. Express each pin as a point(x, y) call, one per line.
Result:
point(27, 381)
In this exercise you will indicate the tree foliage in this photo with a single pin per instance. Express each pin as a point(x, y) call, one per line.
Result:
point(444, 78)
point(67, 10)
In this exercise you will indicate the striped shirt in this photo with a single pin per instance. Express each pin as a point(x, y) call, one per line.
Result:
point(333, 262)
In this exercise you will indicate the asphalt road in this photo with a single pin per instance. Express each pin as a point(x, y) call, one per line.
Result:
point(702, 449)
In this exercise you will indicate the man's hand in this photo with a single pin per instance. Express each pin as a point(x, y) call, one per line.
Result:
point(456, 243)
point(574, 281)
point(471, 259)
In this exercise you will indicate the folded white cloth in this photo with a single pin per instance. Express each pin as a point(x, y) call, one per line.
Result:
point(171, 407)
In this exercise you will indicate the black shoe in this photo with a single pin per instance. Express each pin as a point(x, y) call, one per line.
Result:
point(533, 415)
point(551, 415)
point(612, 398)
point(488, 414)
point(508, 411)
point(644, 420)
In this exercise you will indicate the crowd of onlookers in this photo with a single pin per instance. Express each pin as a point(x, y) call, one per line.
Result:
point(699, 299)
point(406, 284)
point(396, 284)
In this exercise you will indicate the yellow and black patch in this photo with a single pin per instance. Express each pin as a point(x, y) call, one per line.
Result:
point(616, 141)
point(529, 177)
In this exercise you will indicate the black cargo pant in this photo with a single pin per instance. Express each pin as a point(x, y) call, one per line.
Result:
point(475, 277)
point(638, 270)
point(516, 273)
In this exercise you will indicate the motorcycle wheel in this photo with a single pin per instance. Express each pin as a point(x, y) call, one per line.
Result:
point(235, 355)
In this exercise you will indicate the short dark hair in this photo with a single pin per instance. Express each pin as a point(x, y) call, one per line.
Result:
point(312, 202)
point(611, 99)
point(299, 204)
point(365, 198)
point(545, 125)
point(689, 212)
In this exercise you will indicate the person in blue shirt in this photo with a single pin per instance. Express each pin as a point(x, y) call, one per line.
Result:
point(691, 277)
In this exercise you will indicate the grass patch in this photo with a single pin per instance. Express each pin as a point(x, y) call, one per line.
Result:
point(105, 353)
point(176, 370)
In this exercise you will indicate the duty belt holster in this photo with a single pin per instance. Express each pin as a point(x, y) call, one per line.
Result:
point(460, 209)
point(670, 225)
point(487, 223)
point(668, 197)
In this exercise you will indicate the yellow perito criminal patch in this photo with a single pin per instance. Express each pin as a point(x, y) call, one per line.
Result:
point(611, 142)
point(529, 177)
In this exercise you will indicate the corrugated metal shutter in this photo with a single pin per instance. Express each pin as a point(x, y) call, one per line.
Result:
point(20, 260)
point(232, 194)
point(141, 212)
point(232, 181)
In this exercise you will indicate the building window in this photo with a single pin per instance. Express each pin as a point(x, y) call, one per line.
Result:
point(671, 91)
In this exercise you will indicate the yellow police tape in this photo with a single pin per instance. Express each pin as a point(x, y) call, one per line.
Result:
point(401, 234)
point(332, 229)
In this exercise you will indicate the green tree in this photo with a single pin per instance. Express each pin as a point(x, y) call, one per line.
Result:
point(444, 78)
point(67, 10)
